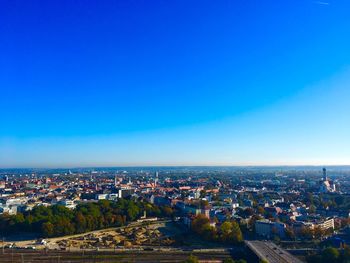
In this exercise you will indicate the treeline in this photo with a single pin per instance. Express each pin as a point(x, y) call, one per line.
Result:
point(57, 220)
point(229, 232)
point(330, 254)
point(330, 201)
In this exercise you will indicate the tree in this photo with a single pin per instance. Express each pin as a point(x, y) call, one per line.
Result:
point(228, 260)
point(236, 233)
point(209, 232)
point(314, 258)
point(230, 232)
point(191, 259)
point(199, 223)
point(318, 232)
point(261, 210)
point(167, 211)
point(203, 203)
point(346, 254)
point(226, 232)
point(132, 211)
point(58, 220)
point(312, 209)
point(306, 233)
point(18, 218)
point(48, 229)
point(330, 254)
point(80, 222)
point(290, 233)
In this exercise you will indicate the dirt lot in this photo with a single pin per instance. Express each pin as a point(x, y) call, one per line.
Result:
point(147, 234)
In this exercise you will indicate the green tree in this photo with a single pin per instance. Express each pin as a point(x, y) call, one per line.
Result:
point(230, 232)
point(19, 218)
point(191, 259)
point(236, 233)
point(209, 232)
point(167, 211)
point(261, 210)
point(199, 223)
point(346, 255)
point(80, 222)
point(290, 233)
point(58, 220)
point(226, 232)
point(330, 254)
point(48, 229)
point(132, 211)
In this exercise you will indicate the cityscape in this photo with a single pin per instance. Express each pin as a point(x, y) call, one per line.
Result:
point(273, 214)
point(201, 131)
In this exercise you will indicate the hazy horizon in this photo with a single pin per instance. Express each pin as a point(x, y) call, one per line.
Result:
point(176, 166)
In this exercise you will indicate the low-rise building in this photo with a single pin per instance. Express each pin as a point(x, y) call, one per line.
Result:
point(268, 229)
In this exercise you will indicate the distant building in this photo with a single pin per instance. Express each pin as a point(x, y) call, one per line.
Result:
point(125, 192)
point(274, 211)
point(160, 200)
point(101, 196)
point(67, 203)
point(326, 185)
point(324, 225)
point(268, 229)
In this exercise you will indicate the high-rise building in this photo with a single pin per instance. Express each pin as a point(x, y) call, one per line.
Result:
point(324, 174)
point(326, 185)
point(156, 179)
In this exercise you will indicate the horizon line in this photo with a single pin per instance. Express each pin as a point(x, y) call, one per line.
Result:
point(180, 166)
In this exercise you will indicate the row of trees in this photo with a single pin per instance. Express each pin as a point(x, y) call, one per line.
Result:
point(229, 232)
point(333, 201)
point(58, 220)
point(330, 254)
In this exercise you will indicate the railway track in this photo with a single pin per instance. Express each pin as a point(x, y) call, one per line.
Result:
point(25, 256)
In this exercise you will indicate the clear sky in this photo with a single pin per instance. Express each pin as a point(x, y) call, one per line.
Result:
point(103, 83)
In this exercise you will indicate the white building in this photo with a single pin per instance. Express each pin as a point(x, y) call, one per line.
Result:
point(326, 185)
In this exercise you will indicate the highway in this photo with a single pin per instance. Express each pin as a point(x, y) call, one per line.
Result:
point(270, 252)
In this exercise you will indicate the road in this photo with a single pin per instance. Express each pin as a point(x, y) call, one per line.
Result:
point(270, 252)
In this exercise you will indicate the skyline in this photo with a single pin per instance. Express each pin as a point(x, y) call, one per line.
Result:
point(133, 84)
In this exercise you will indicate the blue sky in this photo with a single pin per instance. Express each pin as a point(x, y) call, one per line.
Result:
point(95, 83)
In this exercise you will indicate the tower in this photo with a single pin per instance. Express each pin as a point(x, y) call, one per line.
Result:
point(156, 179)
point(324, 174)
